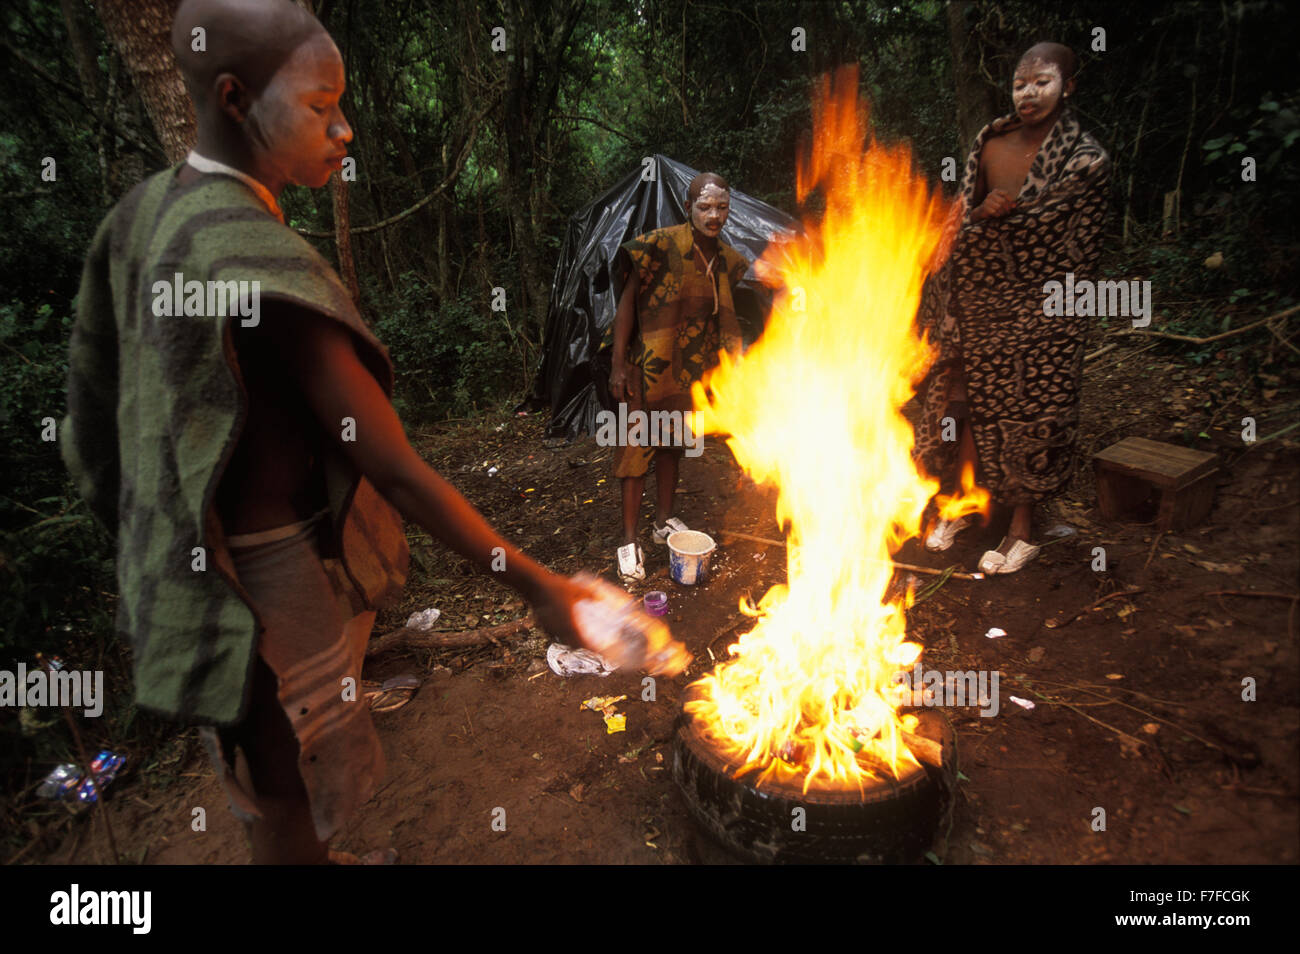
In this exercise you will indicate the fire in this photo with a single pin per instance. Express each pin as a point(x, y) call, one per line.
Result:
point(969, 500)
point(814, 407)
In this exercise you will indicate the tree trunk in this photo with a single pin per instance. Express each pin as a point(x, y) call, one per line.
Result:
point(82, 42)
point(977, 101)
point(540, 39)
point(141, 32)
point(343, 237)
point(518, 128)
point(444, 210)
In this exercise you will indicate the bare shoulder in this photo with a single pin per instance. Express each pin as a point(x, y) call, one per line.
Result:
point(997, 148)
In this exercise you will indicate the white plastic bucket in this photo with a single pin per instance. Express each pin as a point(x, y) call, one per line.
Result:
point(688, 556)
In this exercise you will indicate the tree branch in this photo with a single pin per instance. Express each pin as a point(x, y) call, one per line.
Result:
point(441, 187)
point(596, 122)
point(80, 99)
point(1200, 341)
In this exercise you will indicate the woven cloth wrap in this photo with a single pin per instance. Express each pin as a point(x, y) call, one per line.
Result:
point(155, 406)
point(985, 312)
point(684, 314)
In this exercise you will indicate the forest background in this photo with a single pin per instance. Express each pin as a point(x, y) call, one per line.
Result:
point(469, 160)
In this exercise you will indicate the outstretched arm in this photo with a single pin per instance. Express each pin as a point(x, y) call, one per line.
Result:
point(320, 357)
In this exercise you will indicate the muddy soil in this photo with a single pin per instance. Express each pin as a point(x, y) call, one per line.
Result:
point(1138, 704)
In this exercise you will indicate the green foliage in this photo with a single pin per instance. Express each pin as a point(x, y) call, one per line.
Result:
point(450, 361)
point(46, 536)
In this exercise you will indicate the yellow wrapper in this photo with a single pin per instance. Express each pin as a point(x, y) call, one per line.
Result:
point(615, 723)
point(600, 702)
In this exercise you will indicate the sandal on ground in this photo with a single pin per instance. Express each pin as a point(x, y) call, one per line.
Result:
point(944, 532)
point(631, 562)
point(996, 562)
point(392, 694)
point(669, 527)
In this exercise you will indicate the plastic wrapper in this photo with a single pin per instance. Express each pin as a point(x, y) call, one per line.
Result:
point(423, 620)
point(106, 766)
point(67, 782)
point(615, 722)
point(60, 782)
point(567, 661)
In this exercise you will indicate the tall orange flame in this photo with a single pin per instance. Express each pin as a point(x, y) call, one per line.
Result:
point(814, 407)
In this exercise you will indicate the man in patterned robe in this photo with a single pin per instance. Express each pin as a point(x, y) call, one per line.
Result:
point(674, 315)
point(1035, 190)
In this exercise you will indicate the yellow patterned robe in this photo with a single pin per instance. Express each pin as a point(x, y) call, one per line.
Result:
point(684, 316)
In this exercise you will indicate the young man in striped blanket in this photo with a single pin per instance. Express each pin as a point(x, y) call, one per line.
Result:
point(229, 419)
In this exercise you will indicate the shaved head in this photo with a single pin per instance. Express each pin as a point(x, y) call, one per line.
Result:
point(1057, 53)
point(1043, 80)
point(266, 80)
point(250, 39)
point(704, 179)
point(708, 203)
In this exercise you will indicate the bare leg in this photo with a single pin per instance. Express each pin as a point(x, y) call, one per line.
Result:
point(633, 488)
point(1021, 524)
point(666, 462)
point(966, 455)
point(285, 834)
point(966, 450)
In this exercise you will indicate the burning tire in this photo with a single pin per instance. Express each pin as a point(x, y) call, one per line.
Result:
point(888, 822)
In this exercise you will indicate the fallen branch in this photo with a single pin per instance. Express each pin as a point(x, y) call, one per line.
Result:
point(1100, 351)
point(1060, 621)
point(1285, 430)
point(1120, 359)
point(928, 571)
point(1048, 700)
point(1159, 536)
point(1092, 690)
point(1279, 596)
point(406, 638)
point(933, 586)
point(1200, 341)
point(1272, 792)
point(1278, 335)
point(751, 538)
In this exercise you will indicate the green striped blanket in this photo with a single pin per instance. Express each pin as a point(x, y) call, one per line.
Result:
point(155, 406)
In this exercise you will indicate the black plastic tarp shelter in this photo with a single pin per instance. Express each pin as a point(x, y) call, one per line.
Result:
point(573, 381)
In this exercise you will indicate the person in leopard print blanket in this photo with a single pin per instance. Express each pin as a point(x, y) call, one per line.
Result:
point(1035, 190)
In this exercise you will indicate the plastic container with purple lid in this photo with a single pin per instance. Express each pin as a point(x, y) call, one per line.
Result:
point(656, 602)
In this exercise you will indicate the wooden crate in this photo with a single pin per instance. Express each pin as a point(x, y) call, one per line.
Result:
point(1178, 483)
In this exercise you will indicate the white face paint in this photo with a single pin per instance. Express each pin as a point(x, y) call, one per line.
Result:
point(710, 210)
point(1036, 89)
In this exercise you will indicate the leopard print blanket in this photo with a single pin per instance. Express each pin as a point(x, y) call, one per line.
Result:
point(983, 311)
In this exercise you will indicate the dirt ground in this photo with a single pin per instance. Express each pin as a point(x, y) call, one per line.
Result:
point(1138, 711)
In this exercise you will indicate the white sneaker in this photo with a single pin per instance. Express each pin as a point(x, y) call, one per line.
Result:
point(631, 562)
point(941, 537)
point(671, 525)
point(1009, 562)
